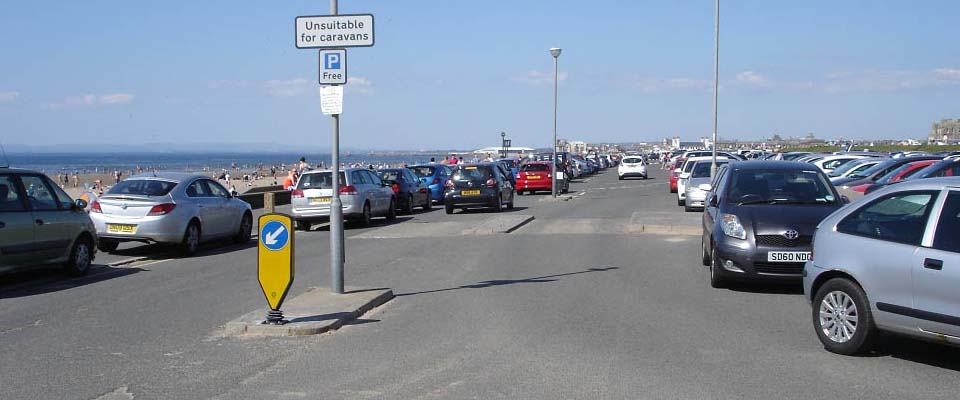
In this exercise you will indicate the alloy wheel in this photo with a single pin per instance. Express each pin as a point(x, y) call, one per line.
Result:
point(839, 317)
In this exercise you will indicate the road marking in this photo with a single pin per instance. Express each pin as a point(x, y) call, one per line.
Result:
point(125, 262)
point(153, 262)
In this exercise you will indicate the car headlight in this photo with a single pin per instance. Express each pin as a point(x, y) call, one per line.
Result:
point(732, 227)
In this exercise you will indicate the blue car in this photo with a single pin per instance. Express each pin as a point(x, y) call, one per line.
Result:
point(435, 176)
point(512, 164)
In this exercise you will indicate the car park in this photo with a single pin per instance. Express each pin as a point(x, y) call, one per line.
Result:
point(363, 195)
point(698, 185)
point(535, 176)
point(435, 176)
point(903, 275)
point(41, 225)
point(631, 167)
point(478, 186)
point(759, 219)
point(171, 208)
point(409, 191)
point(905, 171)
point(853, 167)
point(877, 171)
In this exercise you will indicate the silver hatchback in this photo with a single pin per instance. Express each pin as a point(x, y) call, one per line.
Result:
point(890, 262)
point(362, 193)
point(169, 207)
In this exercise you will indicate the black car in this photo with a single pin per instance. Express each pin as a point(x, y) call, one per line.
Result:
point(478, 186)
point(879, 170)
point(949, 167)
point(760, 218)
point(411, 191)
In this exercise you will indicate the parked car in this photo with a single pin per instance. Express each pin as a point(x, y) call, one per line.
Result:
point(698, 185)
point(830, 163)
point(902, 276)
point(854, 167)
point(535, 176)
point(511, 164)
point(675, 174)
point(41, 225)
point(760, 217)
point(877, 171)
point(905, 171)
point(683, 174)
point(363, 195)
point(478, 186)
point(435, 176)
point(632, 167)
point(409, 191)
point(169, 207)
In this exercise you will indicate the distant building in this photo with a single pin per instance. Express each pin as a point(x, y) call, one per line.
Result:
point(945, 131)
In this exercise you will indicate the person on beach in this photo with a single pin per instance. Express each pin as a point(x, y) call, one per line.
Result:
point(76, 179)
point(303, 165)
point(433, 160)
point(290, 180)
point(453, 160)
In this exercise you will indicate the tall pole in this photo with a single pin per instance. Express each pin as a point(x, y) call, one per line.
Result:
point(336, 206)
point(716, 81)
point(553, 168)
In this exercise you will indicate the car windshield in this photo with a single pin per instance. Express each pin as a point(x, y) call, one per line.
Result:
point(535, 167)
point(702, 169)
point(839, 171)
point(318, 180)
point(780, 187)
point(142, 187)
point(509, 163)
point(892, 174)
point(423, 172)
point(872, 170)
point(389, 175)
point(472, 173)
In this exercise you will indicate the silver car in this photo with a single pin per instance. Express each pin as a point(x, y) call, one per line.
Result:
point(362, 193)
point(169, 207)
point(890, 262)
point(698, 184)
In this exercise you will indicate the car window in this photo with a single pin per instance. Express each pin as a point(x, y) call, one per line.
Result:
point(216, 190)
point(632, 160)
point(946, 237)
point(39, 195)
point(702, 169)
point(899, 217)
point(779, 186)
point(372, 178)
point(389, 176)
point(472, 173)
point(535, 167)
point(424, 172)
point(358, 178)
point(66, 202)
point(9, 197)
point(142, 187)
point(410, 176)
point(198, 189)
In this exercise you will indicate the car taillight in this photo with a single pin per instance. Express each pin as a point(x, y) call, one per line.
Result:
point(296, 193)
point(423, 190)
point(491, 182)
point(449, 184)
point(349, 189)
point(161, 209)
point(395, 187)
point(95, 207)
point(436, 181)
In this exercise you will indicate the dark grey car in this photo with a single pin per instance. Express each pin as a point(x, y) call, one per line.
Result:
point(760, 218)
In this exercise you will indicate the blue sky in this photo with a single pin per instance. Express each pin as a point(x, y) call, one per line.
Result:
point(453, 74)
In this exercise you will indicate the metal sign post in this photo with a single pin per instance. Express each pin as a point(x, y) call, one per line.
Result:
point(275, 267)
point(332, 33)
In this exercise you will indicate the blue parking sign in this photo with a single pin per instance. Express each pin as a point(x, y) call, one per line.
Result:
point(333, 67)
point(331, 61)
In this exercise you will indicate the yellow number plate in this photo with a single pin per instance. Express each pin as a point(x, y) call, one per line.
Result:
point(121, 228)
point(534, 177)
point(319, 200)
point(469, 192)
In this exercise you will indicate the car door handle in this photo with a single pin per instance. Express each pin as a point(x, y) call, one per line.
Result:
point(933, 264)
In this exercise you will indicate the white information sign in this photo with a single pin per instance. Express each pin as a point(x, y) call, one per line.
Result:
point(329, 31)
point(331, 100)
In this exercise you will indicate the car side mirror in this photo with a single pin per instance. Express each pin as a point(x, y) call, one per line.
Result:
point(844, 199)
point(705, 187)
point(714, 202)
point(80, 204)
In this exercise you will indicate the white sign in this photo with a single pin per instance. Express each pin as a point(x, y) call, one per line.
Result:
point(331, 100)
point(328, 31)
point(333, 67)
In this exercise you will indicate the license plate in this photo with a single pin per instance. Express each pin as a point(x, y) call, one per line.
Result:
point(470, 192)
point(121, 228)
point(319, 200)
point(788, 256)
point(533, 177)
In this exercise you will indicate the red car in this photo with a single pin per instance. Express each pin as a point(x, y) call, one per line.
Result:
point(673, 174)
point(534, 176)
point(901, 173)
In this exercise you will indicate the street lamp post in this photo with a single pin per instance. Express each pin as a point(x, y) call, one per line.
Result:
point(555, 52)
point(503, 145)
point(716, 81)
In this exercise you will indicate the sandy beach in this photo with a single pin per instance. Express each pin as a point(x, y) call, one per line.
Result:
point(87, 182)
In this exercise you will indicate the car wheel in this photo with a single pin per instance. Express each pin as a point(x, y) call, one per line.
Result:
point(107, 245)
point(366, 216)
point(246, 226)
point(519, 193)
point(842, 318)
point(408, 207)
point(448, 208)
point(429, 204)
point(499, 206)
point(81, 256)
point(191, 239)
point(704, 255)
point(680, 202)
point(620, 178)
point(392, 210)
point(510, 204)
point(687, 208)
point(716, 277)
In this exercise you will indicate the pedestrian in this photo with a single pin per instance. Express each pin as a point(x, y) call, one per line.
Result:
point(303, 165)
point(116, 176)
point(76, 179)
point(290, 180)
point(433, 160)
point(488, 158)
point(453, 160)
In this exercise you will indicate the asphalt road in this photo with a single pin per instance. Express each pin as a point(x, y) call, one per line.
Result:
point(576, 304)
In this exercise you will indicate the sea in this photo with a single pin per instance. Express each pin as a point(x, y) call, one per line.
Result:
point(96, 163)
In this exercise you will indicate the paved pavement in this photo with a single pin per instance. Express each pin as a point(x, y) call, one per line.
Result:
point(575, 304)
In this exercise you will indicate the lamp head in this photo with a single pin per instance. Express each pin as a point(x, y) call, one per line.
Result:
point(555, 52)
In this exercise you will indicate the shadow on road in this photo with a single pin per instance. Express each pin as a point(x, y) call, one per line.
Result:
point(502, 282)
point(766, 288)
point(374, 223)
point(918, 351)
point(490, 210)
point(46, 280)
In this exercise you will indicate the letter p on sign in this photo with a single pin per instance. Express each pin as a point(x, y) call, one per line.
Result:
point(331, 61)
